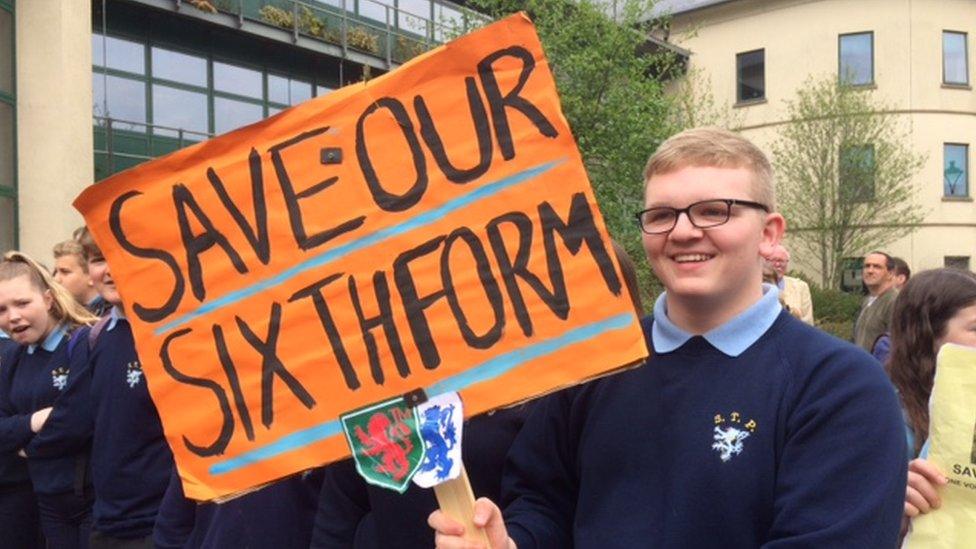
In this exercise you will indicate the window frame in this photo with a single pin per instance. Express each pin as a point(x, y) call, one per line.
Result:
point(965, 147)
point(840, 72)
point(965, 59)
point(10, 99)
point(738, 86)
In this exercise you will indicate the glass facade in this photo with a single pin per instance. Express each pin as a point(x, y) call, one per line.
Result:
point(955, 170)
point(955, 62)
point(8, 136)
point(750, 75)
point(856, 59)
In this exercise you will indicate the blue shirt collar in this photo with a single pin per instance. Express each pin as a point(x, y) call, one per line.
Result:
point(781, 283)
point(731, 338)
point(114, 315)
point(52, 340)
point(3, 335)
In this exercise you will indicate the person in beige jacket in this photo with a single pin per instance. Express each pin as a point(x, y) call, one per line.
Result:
point(794, 292)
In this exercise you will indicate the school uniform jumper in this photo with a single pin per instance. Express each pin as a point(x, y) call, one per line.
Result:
point(353, 513)
point(131, 462)
point(278, 516)
point(763, 432)
point(19, 525)
point(34, 378)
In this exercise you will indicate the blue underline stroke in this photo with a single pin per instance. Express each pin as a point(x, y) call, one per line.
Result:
point(486, 371)
point(416, 222)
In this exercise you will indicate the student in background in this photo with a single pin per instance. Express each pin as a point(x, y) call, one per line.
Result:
point(46, 322)
point(131, 462)
point(934, 308)
point(71, 271)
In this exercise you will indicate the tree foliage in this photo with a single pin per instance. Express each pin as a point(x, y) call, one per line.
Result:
point(844, 169)
point(612, 93)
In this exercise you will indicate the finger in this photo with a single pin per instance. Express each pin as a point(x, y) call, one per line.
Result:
point(443, 524)
point(442, 541)
point(911, 511)
point(913, 497)
point(925, 488)
point(487, 515)
point(927, 469)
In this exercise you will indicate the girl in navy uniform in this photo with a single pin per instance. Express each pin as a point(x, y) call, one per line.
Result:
point(110, 405)
point(46, 323)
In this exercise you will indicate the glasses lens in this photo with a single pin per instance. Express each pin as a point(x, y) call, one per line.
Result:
point(710, 213)
point(658, 220)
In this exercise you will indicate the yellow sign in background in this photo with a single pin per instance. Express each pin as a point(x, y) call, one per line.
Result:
point(433, 228)
point(952, 448)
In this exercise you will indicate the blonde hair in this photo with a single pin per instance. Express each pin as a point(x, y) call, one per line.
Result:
point(717, 148)
point(64, 308)
point(71, 247)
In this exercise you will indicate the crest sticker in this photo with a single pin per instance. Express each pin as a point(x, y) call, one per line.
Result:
point(386, 443)
point(133, 374)
point(442, 420)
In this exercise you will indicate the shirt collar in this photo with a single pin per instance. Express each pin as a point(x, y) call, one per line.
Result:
point(781, 283)
point(3, 335)
point(114, 315)
point(52, 340)
point(731, 338)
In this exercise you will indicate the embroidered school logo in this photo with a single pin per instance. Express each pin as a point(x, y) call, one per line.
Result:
point(59, 378)
point(386, 443)
point(729, 434)
point(133, 373)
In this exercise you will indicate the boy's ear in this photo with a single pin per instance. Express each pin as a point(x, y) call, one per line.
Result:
point(772, 233)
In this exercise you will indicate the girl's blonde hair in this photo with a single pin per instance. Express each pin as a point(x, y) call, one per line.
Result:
point(64, 308)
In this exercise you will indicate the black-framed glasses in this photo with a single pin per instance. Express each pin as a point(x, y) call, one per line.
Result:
point(704, 215)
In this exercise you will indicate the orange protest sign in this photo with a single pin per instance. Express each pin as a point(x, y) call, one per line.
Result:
point(431, 229)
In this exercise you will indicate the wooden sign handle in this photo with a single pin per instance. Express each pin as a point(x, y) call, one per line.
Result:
point(456, 499)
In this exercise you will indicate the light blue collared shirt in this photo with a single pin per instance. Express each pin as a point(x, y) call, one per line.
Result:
point(732, 338)
point(52, 340)
point(115, 315)
point(3, 335)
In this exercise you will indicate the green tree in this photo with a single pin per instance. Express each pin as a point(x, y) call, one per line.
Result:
point(611, 86)
point(844, 168)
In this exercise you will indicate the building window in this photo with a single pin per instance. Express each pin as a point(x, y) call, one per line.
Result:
point(856, 59)
point(955, 62)
point(750, 76)
point(8, 112)
point(851, 268)
point(955, 169)
point(957, 261)
point(857, 173)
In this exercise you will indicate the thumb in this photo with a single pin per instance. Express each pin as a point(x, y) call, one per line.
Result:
point(488, 516)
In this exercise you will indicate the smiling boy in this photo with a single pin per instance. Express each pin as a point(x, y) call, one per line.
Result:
point(745, 428)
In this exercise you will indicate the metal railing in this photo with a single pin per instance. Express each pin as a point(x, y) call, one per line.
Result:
point(399, 36)
point(155, 140)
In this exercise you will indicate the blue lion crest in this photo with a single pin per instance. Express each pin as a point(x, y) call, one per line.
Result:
point(440, 437)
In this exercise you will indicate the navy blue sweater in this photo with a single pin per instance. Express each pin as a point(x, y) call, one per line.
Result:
point(13, 468)
point(30, 382)
point(131, 462)
point(278, 516)
point(355, 514)
point(796, 442)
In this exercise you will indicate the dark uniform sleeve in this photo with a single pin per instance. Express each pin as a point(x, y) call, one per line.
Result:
point(15, 431)
point(69, 428)
point(176, 517)
point(842, 472)
point(540, 484)
point(343, 505)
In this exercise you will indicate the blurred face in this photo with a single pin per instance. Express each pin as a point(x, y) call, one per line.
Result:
point(779, 260)
point(960, 329)
point(102, 278)
point(875, 273)
point(715, 272)
point(25, 311)
point(68, 272)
